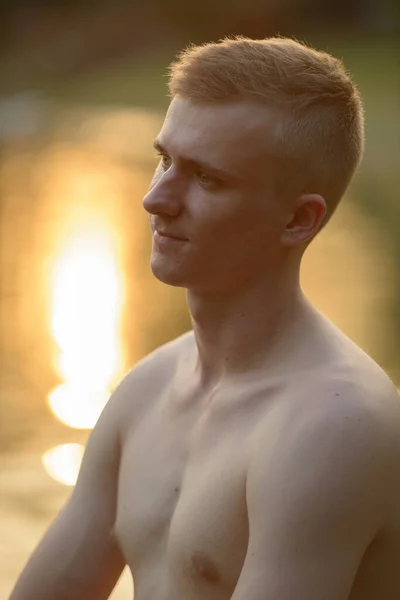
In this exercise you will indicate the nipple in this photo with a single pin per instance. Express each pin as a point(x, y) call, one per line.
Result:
point(205, 568)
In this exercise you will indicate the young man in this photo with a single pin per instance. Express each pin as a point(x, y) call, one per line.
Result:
point(256, 457)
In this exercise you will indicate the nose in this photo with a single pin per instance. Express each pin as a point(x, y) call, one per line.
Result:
point(165, 194)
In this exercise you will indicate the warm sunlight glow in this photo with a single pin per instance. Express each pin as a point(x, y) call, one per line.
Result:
point(87, 302)
point(76, 406)
point(62, 463)
point(86, 306)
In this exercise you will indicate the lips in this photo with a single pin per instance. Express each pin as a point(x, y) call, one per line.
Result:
point(172, 237)
point(169, 235)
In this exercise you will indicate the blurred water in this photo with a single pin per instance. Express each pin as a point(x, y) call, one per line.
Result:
point(84, 162)
point(29, 500)
point(78, 169)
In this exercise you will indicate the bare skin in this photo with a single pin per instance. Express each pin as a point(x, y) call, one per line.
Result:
point(258, 456)
point(185, 529)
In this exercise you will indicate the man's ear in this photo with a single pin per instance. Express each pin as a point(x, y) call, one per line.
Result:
point(306, 216)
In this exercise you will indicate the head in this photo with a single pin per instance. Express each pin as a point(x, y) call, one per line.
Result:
point(259, 144)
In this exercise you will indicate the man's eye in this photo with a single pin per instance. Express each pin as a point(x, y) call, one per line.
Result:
point(205, 179)
point(165, 161)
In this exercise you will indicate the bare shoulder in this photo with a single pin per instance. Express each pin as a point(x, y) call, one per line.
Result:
point(348, 388)
point(355, 397)
point(334, 441)
point(346, 421)
point(147, 379)
point(357, 388)
point(358, 405)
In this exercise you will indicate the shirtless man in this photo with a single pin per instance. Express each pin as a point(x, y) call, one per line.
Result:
point(256, 457)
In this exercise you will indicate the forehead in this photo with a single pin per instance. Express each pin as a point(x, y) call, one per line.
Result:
point(233, 135)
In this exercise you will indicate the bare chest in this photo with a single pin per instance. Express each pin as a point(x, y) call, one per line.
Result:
point(181, 501)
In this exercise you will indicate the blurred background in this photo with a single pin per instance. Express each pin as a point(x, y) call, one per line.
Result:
point(82, 96)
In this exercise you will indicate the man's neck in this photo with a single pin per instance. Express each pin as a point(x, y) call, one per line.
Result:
point(250, 329)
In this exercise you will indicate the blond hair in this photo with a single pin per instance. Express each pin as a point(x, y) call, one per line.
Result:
point(322, 135)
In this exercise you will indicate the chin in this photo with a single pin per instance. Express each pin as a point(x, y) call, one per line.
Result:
point(169, 275)
point(182, 274)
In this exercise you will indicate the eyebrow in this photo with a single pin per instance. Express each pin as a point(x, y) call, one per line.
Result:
point(204, 166)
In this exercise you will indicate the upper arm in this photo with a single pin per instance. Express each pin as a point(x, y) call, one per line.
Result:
point(78, 556)
point(316, 500)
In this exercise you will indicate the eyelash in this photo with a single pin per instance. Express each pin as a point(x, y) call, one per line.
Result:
point(161, 157)
point(212, 181)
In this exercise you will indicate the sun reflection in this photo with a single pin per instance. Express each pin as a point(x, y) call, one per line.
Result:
point(86, 307)
point(77, 406)
point(62, 463)
point(87, 302)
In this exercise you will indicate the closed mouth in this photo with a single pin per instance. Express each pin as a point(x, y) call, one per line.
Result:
point(172, 237)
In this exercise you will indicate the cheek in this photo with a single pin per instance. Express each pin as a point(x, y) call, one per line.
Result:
point(228, 218)
point(226, 227)
point(248, 231)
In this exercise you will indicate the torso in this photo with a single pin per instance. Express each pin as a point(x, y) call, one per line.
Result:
point(182, 521)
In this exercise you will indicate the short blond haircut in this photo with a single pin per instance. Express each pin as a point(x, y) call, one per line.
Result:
point(322, 136)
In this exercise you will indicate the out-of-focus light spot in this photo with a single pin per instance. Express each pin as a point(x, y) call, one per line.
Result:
point(63, 462)
point(86, 310)
point(86, 307)
point(85, 322)
point(76, 406)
